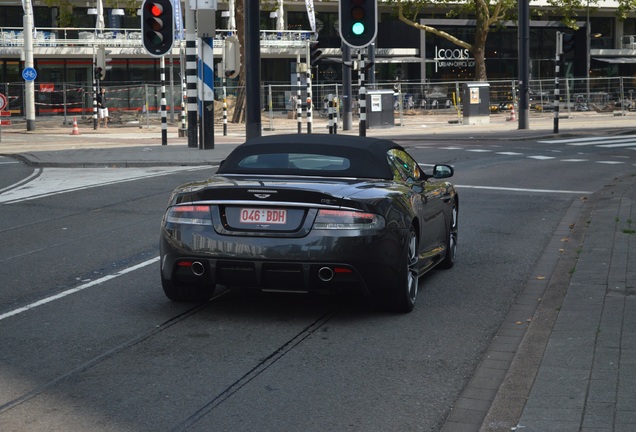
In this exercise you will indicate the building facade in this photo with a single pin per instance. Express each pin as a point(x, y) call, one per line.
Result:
point(65, 55)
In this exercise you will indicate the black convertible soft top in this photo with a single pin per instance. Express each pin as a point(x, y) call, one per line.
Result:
point(367, 156)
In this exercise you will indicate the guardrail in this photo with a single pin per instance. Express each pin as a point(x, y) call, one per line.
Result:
point(118, 37)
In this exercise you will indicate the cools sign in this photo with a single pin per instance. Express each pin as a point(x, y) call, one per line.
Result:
point(458, 57)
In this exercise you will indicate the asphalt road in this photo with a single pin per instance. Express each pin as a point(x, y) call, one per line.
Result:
point(89, 342)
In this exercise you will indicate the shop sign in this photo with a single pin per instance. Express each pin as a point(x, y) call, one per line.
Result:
point(452, 57)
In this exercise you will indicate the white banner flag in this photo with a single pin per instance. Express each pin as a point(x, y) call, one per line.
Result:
point(311, 15)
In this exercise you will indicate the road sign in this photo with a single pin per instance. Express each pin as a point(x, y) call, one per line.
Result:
point(29, 74)
point(3, 101)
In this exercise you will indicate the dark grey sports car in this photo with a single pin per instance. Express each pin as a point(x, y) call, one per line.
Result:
point(309, 213)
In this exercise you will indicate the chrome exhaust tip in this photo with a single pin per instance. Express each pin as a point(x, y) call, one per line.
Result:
point(197, 268)
point(325, 274)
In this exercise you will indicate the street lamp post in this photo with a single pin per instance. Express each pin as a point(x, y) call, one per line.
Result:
point(588, 39)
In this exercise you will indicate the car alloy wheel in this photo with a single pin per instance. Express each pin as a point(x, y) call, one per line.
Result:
point(451, 242)
point(408, 280)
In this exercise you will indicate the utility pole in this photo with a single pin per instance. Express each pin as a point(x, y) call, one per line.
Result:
point(557, 73)
point(252, 69)
point(524, 59)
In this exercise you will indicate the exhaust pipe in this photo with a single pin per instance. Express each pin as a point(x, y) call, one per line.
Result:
point(197, 268)
point(325, 274)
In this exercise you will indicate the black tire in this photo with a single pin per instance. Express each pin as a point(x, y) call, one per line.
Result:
point(198, 293)
point(451, 238)
point(404, 294)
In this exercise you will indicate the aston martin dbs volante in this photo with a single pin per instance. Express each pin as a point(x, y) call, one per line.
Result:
point(307, 213)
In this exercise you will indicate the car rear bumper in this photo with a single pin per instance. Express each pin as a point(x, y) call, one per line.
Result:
point(324, 260)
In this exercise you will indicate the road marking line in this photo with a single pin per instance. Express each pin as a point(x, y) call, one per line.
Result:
point(538, 157)
point(627, 144)
point(610, 162)
point(509, 153)
point(524, 189)
point(588, 141)
point(78, 289)
point(33, 175)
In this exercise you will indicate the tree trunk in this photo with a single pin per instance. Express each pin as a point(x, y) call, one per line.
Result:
point(478, 47)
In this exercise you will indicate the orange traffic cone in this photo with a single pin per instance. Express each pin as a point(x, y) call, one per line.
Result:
point(75, 128)
point(513, 117)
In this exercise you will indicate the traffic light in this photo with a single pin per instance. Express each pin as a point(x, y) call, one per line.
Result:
point(232, 57)
point(157, 26)
point(568, 42)
point(314, 54)
point(358, 22)
point(101, 62)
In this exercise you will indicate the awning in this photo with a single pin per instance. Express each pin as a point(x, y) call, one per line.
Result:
point(620, 60)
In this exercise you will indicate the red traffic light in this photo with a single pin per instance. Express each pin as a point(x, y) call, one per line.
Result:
point(157, 26)
point(155, 9)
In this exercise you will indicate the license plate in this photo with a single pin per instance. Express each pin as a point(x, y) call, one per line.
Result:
point(263, 216)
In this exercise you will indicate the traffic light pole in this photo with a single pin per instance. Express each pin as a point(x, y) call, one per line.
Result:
point(299, 105)
point(333, 126)
point(164, 122)
point(346, 88)
point(224, 86)
point(191, 77)
point(557, 72)
point(309, 102)
point(362, 102)
point(94, 92)
point(309, 92)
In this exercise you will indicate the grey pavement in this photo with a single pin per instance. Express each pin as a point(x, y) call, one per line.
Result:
point(565, 357)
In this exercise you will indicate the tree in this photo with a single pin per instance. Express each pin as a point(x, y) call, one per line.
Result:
point(487, 13)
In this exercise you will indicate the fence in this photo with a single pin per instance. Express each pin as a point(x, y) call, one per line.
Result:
point(278, 100)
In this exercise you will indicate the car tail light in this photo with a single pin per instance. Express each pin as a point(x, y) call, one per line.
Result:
point(190, 214)
point(345, 219)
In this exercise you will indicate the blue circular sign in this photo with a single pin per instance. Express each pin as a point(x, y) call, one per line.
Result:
point(29, 74)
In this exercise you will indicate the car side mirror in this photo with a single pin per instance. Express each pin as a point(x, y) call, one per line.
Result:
point(443, 171)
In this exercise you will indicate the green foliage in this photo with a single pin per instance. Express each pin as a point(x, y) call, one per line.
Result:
point(65, 17)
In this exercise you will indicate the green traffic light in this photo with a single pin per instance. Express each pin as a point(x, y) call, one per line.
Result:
point(357, 28)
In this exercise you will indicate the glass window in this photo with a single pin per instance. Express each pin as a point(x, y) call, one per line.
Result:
point(404, 167)
point(301, 161)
